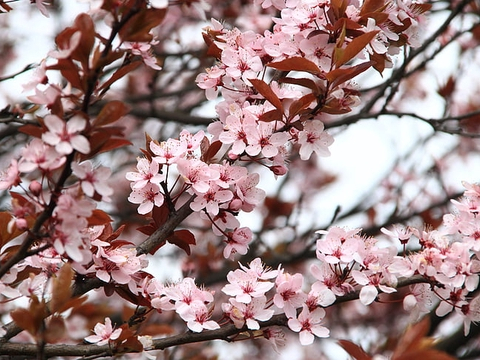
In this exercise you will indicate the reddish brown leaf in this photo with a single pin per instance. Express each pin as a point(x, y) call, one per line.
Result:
point(61, 292)
point(300, 105)
point(339, 76)
point(84, 23)
point(56, 330)
point(69, 71)
point(138, 27)
point(32, 130)
point(213, 50)
point(24, 320)
point(297, 63)
point(183, 239)
point(147, 230)
point(266, 91)
point(412, 338)
point(126, 294)
point(121, 72)
point(370, 6)
point(111, 112)
point(447, 89)
point(32, 318)
point(109, 145)
point(5, 7)
point(211, 151)
point(108, 235)
point(272, 115)
point(5, 235)
point(353, 48)
point(160, 214)
point(338, 7)
point(99, 217)
point(354, 350)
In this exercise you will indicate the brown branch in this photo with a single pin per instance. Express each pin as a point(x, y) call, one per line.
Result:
point(224, 333)
point(160, 235)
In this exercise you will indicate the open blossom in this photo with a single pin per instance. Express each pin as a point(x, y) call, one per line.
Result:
point(197, 173)
point(245, 286)
point(104, 333)
point(93, 179)
point(117, 263)
point(313, 139)
point(148, 197)
point(168, 152)
point(248, 314)
point(38, 155)
point(308, 325)
point(148, 172)
point(144, 50)
point(237, 242)
point(197, 316)
point(289, 295)
point(65, 136)
point(11, 177)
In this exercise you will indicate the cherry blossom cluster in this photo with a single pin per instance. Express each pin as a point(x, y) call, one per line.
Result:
point(447, 259)
point(220, 190)
point(257, 122)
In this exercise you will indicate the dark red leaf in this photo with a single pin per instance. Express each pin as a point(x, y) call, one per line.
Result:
point(353, 48)
point(266, 91)
point(301, 104)
point(121, 72)
point(297, 63)
point(183, 239)
point(99, 217)
point(111, 112)
point(354, 350)
point(339, 76)
point(139, 26)
point(272, 115)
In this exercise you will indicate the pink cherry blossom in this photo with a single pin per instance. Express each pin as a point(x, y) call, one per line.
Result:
point(308, 325)
point(65, 135)
point(119, 264)
point(93, 179)
point(237, 241)
point(45, 94)
point(38, 155)
point(248, 314)
point(211, 199)
point(168, 152)
point(10, 177)
point(289, 295)
point(263, 139)
point(245, 286)
point(197, 316)
point(197, 174)
point(104, 333)
point(148, 197)
point(148, 172)
point(313, 139)
point(248, 194)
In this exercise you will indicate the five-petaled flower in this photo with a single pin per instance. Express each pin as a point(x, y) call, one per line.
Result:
point(104, 333)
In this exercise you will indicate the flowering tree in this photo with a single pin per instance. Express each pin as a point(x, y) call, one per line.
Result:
point(116, 171)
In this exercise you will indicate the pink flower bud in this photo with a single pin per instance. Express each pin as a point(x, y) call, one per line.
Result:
point(35, 187)
point(21, 224)
point(279, 169)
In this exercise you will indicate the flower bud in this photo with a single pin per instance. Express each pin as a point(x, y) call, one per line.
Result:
point(35, 188)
